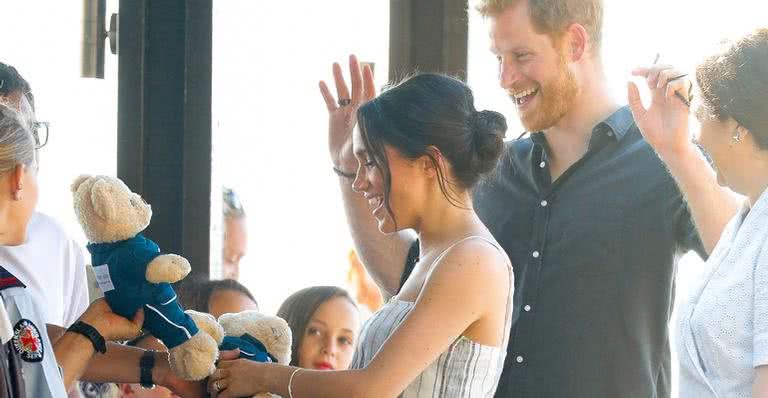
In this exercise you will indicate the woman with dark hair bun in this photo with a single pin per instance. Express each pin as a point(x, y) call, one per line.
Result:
point(420, 149)
point(324, 324)
point(722, 333)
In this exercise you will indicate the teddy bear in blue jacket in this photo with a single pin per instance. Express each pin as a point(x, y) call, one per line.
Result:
point(259, 337)
point(133, 274)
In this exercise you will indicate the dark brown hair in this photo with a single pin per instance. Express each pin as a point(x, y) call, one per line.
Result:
point(11, 82)
point(433, 111)
point(552, 17)
point(195, 293)
point(734, 84)
point(298, 309)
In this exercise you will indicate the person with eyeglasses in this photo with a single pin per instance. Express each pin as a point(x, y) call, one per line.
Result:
point(53, 327)
point(722, 327)
point(235, 237)
point(59, 275)
point(48, 365)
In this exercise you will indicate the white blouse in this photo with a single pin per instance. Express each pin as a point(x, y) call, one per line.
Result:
point(723, 327)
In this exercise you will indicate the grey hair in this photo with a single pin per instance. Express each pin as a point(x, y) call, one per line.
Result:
point(17, 145)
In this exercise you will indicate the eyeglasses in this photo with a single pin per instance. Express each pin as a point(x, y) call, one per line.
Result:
point(40, 133)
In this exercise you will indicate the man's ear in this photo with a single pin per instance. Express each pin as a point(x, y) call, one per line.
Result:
point(576, 41)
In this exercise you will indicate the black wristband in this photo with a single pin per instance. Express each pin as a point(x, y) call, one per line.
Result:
point(145, 365)
point(340, 173)
point(91, 333)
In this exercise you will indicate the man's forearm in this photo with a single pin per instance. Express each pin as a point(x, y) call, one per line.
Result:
point(711, 205)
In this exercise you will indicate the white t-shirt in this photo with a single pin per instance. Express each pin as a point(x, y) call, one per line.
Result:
point(52, 267)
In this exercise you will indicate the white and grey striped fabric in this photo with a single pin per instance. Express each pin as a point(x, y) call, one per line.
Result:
point(465, 369)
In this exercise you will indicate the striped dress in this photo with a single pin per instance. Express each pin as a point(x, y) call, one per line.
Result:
point(465, 369)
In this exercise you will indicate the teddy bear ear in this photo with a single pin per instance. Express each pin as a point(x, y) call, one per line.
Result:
point(103, 199)
point(78, 181)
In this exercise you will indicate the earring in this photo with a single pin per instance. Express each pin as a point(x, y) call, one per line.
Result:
point(736, 137)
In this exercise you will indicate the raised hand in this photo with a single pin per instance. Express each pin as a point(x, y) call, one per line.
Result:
point(665, 123)
point(342, 113)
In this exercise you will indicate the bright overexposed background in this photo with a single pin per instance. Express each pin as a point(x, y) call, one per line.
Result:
point(270, 131)
point(41, 38)
point(269, 121)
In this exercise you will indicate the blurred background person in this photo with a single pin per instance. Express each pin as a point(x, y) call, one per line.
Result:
point(325, 325)
point(235, 239)
point(362, 287)
point(216, 297)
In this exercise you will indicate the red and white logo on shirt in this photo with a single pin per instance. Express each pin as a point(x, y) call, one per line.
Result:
point(27, 341)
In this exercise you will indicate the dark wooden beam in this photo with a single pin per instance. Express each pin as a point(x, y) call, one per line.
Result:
point(428, 36)
point(164, 119)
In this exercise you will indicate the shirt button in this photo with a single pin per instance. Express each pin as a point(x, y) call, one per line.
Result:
point(527, 308)
point(519, 359)
point(544, 203)
point(535, 254)
point(542, 164)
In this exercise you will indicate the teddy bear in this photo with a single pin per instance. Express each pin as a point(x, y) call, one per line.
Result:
point(134, 274)
point(259, 337)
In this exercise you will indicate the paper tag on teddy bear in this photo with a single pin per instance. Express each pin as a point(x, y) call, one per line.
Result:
point(103, 278)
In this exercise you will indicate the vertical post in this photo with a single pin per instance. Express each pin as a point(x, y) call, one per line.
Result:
point(164, 119)
point(428, 36)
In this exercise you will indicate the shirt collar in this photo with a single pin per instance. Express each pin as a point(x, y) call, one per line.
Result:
point(619, 122)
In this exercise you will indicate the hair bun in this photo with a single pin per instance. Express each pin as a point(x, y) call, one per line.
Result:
point(488, 129)
point(488, 123)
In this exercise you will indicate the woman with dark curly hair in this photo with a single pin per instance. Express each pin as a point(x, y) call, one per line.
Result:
point(723, 328)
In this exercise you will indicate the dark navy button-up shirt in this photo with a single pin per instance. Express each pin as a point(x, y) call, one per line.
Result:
point(594, 257)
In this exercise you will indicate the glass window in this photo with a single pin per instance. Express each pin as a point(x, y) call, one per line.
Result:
point(270, 133)
point(42, 40)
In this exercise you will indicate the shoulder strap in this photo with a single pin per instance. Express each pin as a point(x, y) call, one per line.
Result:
point(444, 252)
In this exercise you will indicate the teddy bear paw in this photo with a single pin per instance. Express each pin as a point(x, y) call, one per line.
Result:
point(194, 359)
point(169, 268)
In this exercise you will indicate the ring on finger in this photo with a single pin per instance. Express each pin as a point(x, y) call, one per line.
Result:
point(344, 101)
point(217, 386)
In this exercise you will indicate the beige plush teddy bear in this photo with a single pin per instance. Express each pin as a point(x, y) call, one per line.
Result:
point(133, 274)
point(259, 337)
